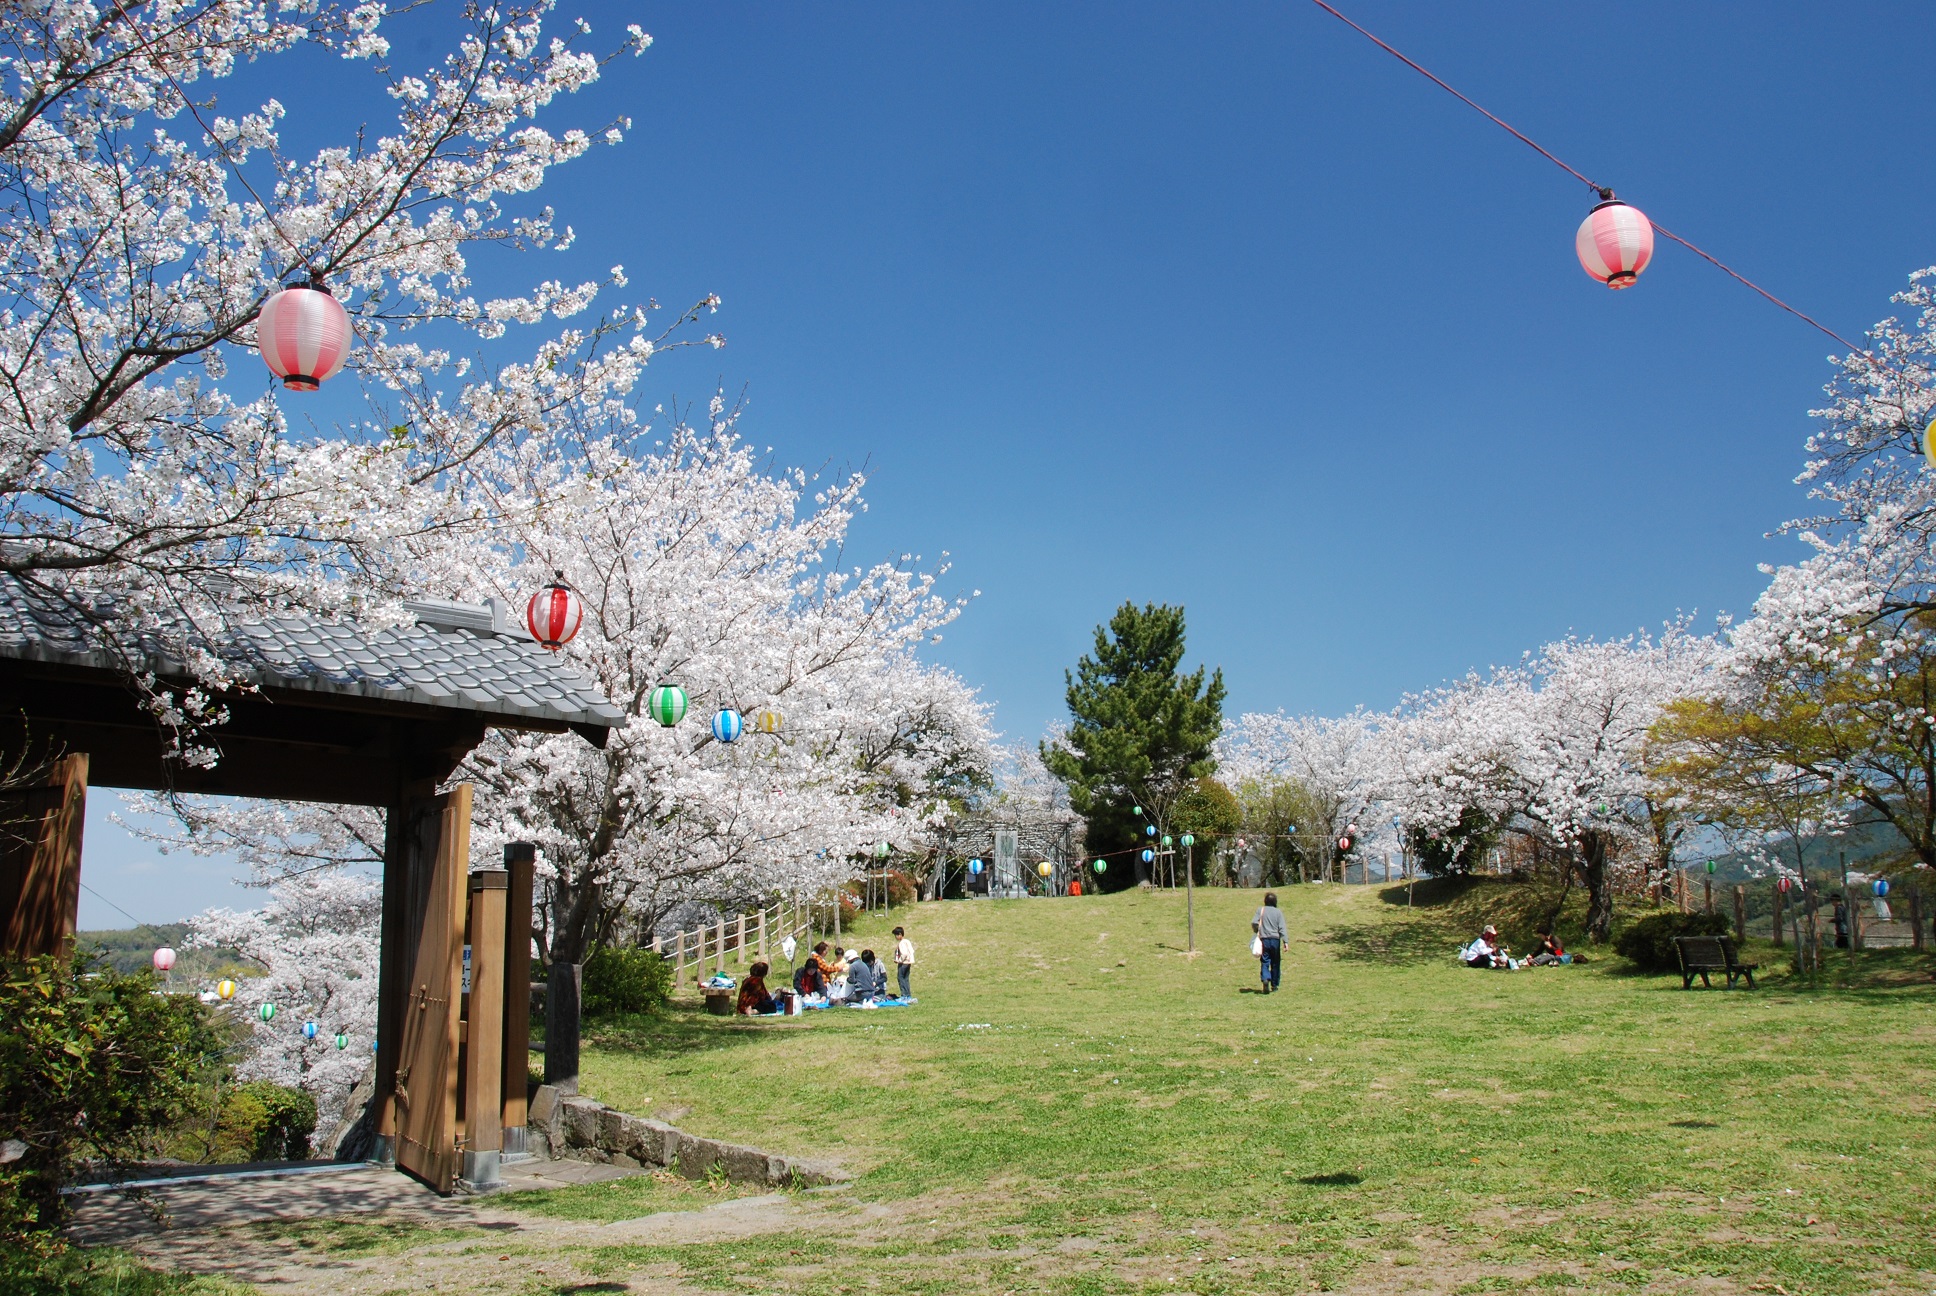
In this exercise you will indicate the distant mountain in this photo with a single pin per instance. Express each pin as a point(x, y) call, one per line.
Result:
point(1870, 846)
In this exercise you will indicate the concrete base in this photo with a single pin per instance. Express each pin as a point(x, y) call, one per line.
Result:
point(480, 1171)
point(383, 1150)
point(513, 1140)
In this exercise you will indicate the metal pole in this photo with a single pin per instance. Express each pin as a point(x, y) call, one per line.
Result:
point(1190, 891)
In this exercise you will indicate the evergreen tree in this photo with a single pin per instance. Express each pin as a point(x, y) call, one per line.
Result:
point(1140, 733)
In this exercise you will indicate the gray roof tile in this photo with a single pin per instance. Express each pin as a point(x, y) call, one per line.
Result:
point(445, 665)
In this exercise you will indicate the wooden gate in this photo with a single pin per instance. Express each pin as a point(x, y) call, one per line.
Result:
point(40, 861)
point(426, 1083)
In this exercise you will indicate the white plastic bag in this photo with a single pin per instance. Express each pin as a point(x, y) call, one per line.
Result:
point(1257, 947)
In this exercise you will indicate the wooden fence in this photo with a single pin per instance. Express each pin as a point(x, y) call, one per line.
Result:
point(702, 952)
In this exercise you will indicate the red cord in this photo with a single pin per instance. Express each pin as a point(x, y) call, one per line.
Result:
point(1602, 190)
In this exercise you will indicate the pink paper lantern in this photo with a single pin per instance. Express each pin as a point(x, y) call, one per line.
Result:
point(1615, 243)
point(554, 614)
point(164, 959)
point(304, 335)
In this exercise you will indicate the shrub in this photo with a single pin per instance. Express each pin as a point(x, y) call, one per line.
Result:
point(264, 1121)
point(625, 981)
point(92, 1064)
point(1649, 943)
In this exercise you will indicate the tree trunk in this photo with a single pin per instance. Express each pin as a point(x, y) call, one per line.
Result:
point(1592, 855)
point(562, 991)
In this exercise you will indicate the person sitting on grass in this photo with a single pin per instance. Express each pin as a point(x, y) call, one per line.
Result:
point(1486, 952)
point(864, 977)
point(754, 999)
point(1548, 952)
point(810, 978)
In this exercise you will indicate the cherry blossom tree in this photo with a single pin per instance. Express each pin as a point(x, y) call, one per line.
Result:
point(316, 943)
point(1338, 763)
point(147, 219)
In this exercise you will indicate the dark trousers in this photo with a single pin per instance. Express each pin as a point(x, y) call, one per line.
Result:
point(906, 973)
point(1273, 961)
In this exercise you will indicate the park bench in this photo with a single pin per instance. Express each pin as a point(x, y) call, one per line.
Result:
point(1701, 955)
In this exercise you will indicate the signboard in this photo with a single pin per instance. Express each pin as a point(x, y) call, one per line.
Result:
point(1008, 868)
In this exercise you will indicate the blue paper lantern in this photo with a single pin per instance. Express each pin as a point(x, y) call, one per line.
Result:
point(1881, 887)
point(1149, 830)
point(309, 1030)
point(727, 725)
point(974, 866)
point(1148, 855)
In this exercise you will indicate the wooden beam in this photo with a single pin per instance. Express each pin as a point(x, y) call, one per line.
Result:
point(520, 862)
point(484, 1038)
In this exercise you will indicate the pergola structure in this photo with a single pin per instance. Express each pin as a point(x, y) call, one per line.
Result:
point(331, 712)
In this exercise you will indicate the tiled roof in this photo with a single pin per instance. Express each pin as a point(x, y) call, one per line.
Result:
point(459, 656)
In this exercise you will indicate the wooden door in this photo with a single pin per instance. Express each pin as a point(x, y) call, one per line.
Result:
point(40, 861)
point(426, 1082)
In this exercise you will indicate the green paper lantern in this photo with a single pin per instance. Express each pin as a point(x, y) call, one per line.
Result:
point(1136, 810)
point(1100, 865)
point(882, 850)
point(1710, 867)
point(267, 1012)
point(342, 1040)
point(1189, 839)
point(1167, 842)
point(667, 704)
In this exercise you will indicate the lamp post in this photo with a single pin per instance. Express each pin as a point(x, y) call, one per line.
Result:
point(1707, 889)
point(1190, 886)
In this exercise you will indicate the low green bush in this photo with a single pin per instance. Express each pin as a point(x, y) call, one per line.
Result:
point(1649, 943)
point(264, 1121)
point(93, 1064)
point(625, 981)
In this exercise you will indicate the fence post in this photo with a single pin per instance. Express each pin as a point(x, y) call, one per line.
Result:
point(1740, 914)
point(1777, 927)
point(719, 945)
point(1916, 920)
point(739, 939)
point(759, 935)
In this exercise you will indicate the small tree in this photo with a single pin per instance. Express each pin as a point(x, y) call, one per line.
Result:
point(1140, 731)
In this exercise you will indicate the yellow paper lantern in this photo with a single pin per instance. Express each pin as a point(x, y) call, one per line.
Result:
point(768, 722)
point(226, 989)
point(1045, 868)
point(1929, 442)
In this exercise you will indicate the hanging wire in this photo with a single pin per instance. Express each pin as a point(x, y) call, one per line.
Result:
point(1600, 189)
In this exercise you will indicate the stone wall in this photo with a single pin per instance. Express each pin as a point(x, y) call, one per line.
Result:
point(562, 1125)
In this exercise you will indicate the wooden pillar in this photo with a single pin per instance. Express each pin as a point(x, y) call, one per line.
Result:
point(520, 864)
point(1740, 914)
point(739, 939)
point(484, 1031)
point(719, 945)
point(40, 861)
point(1916, 919)
point(761, 935)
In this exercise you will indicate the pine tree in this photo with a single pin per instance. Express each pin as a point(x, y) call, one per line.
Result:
point(1140, 734)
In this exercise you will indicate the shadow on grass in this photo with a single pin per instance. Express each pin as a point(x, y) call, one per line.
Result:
point(683, 1029)
point(1336, 1179)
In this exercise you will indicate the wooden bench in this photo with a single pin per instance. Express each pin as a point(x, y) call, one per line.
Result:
point(1701, 955)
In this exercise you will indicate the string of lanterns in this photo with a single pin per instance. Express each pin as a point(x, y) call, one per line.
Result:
point(164, 961)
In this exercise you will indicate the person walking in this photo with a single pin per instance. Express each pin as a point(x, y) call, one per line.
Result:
point(1271, 935)
point(904, 962)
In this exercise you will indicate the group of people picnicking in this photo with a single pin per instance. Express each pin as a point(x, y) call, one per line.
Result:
point(829, 978)
point(1488, 952)
point(1269, 933)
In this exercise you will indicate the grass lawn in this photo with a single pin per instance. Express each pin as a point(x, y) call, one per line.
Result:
point(1076, 1106)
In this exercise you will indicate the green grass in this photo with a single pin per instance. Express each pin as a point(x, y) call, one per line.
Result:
point(623, 1199)
point(108, 1271)
point(1076, 1106)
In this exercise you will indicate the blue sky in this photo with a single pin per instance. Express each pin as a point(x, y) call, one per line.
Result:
point(1220, 305)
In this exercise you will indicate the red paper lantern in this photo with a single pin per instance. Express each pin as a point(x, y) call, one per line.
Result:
point(1615, 242)
point(1783, 884)
point(164, 959)
point(304, 335)
point(554, 614)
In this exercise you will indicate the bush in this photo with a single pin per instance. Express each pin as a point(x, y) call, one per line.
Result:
point(264, 1121)
point(625, 981)
point(93, 1064)
point(1649, 943)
